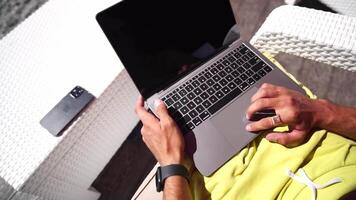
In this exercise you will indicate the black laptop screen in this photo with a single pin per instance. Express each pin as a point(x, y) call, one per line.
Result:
point(158, 41)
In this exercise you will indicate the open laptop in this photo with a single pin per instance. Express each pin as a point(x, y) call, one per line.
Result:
point(173, 50)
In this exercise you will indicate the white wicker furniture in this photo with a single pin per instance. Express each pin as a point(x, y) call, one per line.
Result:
point(56, 48)
point(346, 7)
point(318, 35)
point(312, 34)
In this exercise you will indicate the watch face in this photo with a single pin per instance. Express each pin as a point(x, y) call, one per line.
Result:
point(159, 185)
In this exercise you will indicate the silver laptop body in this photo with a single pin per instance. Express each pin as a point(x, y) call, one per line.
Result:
point(222, 134)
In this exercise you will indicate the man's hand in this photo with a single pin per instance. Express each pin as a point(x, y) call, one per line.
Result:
point(162, 136)
point(292, 108)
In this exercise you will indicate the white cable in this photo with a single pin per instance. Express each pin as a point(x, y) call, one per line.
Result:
point(304, 179)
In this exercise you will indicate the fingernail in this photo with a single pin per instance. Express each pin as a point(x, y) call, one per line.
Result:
point(247, 117)
point(248, 127)
point(157, 103)
point(271, 138)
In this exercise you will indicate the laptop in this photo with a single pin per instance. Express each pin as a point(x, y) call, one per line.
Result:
point(174, 51)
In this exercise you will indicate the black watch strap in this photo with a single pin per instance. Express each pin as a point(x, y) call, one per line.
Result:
point(167, 171)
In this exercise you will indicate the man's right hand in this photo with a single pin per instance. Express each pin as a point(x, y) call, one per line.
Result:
point(162, 136)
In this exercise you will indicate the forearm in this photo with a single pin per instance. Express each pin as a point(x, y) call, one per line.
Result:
point(176, 188)
point(336, 118)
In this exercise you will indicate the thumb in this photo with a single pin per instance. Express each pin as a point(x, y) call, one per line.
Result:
point(161, 109)
point(290, 139)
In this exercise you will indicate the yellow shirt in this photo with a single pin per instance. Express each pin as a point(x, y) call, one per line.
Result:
point(259, 171)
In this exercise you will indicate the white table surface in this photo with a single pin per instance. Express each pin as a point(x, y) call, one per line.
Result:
point(56, 48)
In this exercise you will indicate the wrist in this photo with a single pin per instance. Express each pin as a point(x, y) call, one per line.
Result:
point(177, 158)
point(323, 114)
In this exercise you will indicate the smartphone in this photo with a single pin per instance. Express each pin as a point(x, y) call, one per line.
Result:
point(66, 111)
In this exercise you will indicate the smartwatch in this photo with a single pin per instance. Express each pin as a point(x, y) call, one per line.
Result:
point(170, 170)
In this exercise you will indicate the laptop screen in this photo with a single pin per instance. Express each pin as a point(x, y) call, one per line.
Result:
point(159, 41)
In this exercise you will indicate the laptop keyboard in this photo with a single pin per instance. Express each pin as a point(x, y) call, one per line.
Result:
point(200, 97)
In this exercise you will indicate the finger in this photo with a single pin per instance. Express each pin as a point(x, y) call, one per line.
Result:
point(290, 139)
point(261, 104)
point(146, 117)
point(262, 124)
point(162, 112)
point(265, 91)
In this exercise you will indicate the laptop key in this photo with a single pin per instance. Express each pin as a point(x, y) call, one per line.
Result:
point(182, 92)
point(231, 59)
point(241, 70)
point(261, 73)
point(191, 105)
point(223, 82)
point(220, 66)
point(246, 66)
point(256, 77)
point(203, 86)
point(222, 73)
point(208, 75)
point(235, 74)
point(190, 126)
point(250, 81)
point(189, 88)
point(244, 50)
point(238, 81)
point(225, 90)
point(219, 94)
point(226, 62)
point(244, 86)
point(206, 104)
point(211, 91)
point(195, 83)
point(213, 99)
point(204, 95)
point(193, 114)
point(176, 97)
point(202, 79)
point(177, 105)
point(222, 102)
point(249, 72)
point(169, 102)
point(184, 110)
point(200, 108)
point(197, 121)
point(184, 100)
point(232, 85)
point(228, 69)
point(254, 60)
point(245, 58)
point(267, 68)
point(197, 91)
point(216, 78)
point(258, 66)
point(198, 100)
point(216, 86)
point(210, 82)
point(214, 70)
point(205, 115)
point(229, 78)
point(243, 77)
point(240, 61)
point(234, 65)
point(191, 96)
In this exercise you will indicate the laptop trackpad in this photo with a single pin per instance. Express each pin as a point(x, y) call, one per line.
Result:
point(231, 121)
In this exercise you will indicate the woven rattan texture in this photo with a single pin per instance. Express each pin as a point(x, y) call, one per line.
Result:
point(89, 145)
point(347, 7)
point(317, 35)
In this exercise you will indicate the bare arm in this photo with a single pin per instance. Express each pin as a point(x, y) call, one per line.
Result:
point(337, 118)
point(300, 113)
point(165, 140)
